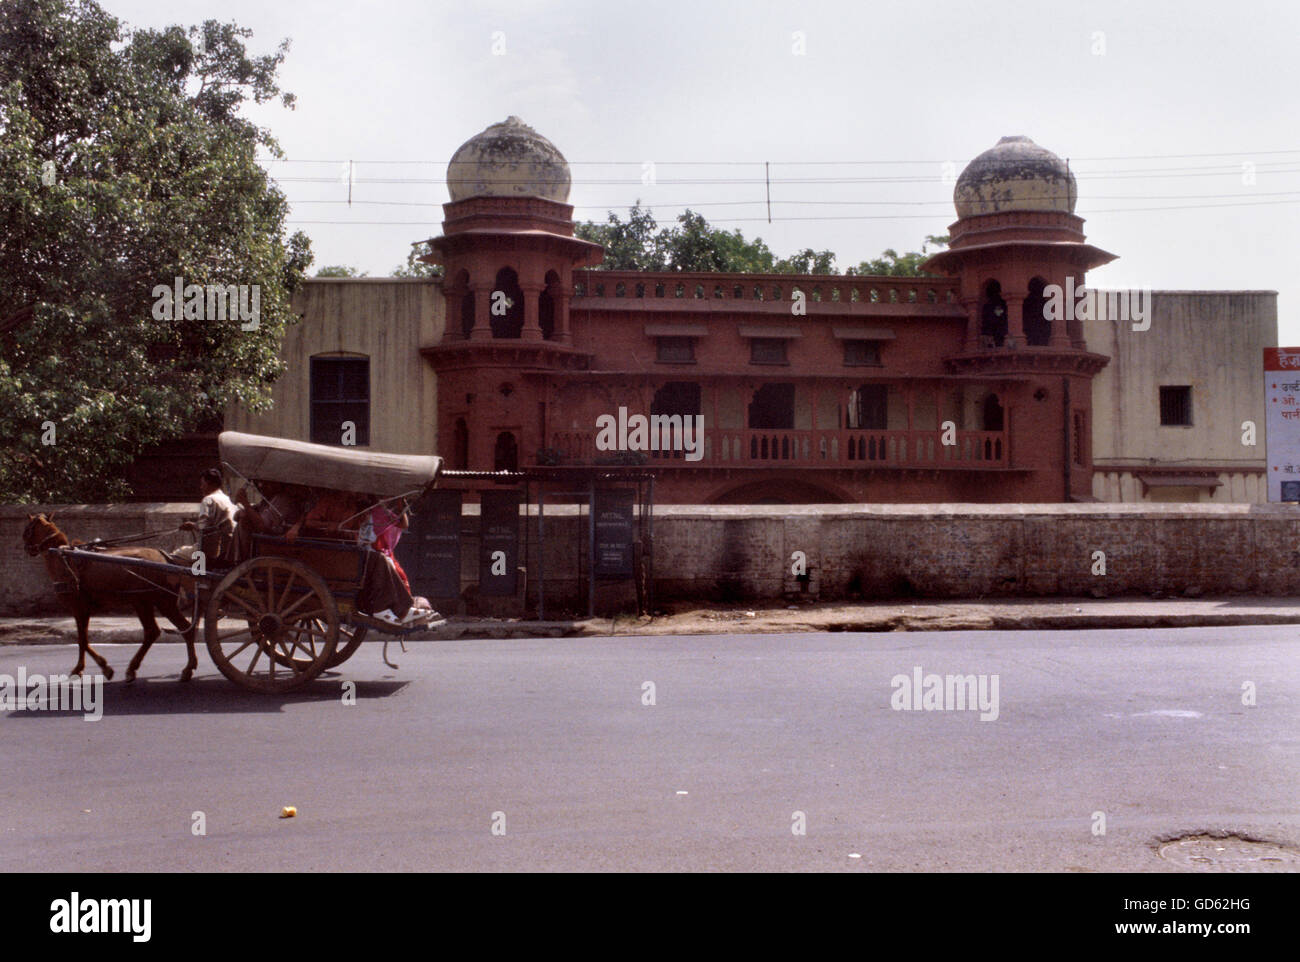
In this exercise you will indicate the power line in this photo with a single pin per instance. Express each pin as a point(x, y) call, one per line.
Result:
point(789, 163)
point(946, 202)
point(929, 217)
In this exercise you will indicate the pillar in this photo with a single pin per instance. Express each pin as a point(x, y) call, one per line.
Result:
point(482, 330)
point(532, 325)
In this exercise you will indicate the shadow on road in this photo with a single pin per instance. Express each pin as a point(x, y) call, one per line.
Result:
point(214, 695)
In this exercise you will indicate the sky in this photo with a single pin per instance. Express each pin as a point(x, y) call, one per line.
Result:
point(1179, 119)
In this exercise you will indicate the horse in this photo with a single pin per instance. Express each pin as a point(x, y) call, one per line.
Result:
point(86, 587)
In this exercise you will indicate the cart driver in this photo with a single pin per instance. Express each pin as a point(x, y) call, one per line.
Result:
point(215, 523)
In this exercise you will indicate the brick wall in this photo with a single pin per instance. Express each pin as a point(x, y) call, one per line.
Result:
point(24, 584)
point(871, 551)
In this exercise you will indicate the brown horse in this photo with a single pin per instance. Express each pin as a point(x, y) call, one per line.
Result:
point(85, 587)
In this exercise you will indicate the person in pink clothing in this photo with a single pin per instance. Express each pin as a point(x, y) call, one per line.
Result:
point(388, 531)
point(388, 528)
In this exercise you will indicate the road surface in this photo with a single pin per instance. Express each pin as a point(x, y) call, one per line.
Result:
point(547, 754)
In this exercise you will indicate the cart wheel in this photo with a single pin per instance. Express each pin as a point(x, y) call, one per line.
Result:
point(285, 630)
point(350, 638)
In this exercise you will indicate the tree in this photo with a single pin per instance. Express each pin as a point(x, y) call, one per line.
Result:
point(414, 267)
point(638, 244)
point(340, 270)
point(892, 264)
point(126, 170)
point(631, 246)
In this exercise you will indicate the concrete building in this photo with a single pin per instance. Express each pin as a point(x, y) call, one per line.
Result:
point(1179, 411)
point(959, 387)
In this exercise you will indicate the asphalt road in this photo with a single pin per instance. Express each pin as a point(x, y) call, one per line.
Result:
point(745, 731)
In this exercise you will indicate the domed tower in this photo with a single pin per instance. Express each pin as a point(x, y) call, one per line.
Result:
point(1016, 236)
point(508, 252)
point(1021, 257)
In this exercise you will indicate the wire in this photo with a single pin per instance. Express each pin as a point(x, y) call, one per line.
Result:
point(947, 202)
point(929, 217)
point(787, 163)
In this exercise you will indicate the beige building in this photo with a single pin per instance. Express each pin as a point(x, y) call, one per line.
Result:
point(1178, 403)
point(355, 356)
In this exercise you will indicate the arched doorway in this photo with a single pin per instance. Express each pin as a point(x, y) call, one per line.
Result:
point(1038, 329)
point(506, 455)
point(507, 305)
point(993, 316)
point(460, 445)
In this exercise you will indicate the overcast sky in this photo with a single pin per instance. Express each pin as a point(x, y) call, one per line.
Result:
point(861, 108)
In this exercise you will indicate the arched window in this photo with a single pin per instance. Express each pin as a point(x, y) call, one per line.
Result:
point(460, 446)
point(506, 457)
point(1038, 329)
point(506, 306)
point(993, 315)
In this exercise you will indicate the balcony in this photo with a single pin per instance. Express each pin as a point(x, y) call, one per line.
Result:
point(832, 292)
point(821, 449)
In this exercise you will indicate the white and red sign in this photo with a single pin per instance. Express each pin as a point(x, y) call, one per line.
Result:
point(1282, 421)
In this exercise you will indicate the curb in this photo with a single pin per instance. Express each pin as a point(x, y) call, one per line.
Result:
point(38, 633)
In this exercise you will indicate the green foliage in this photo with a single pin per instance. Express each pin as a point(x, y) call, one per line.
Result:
point(639, 244)
point(124, 164)
point(340, 270)
point(893, 264)
point(414, 267)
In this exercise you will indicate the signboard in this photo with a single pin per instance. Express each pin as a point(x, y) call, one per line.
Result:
point(1282, 421)
point(614, 533)
point(498, 542)
point(430, 552)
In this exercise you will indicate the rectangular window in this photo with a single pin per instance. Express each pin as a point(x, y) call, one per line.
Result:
point(340, 392)
point(1080, 438)
point(862, 353)
point(767, 350)
point(676, 350)
point(1176, 406)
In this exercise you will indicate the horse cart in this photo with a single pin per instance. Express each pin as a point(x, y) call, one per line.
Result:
point(275, 619)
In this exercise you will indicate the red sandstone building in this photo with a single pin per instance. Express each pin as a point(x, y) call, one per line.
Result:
point(811, 389)
point(950, 388)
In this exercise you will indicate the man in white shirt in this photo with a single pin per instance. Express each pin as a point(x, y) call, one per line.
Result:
point(216, 521)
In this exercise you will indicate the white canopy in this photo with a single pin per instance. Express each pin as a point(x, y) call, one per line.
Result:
point(261, 458)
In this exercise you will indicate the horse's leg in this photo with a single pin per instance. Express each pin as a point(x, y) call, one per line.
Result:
point(82, 614)
point(169, 607)
point(83, 640)
point(144, 611)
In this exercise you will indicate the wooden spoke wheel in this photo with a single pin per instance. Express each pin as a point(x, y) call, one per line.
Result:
point(281, 625)
point(350, 638)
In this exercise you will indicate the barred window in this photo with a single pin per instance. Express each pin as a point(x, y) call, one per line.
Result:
point(767, 350)
point(862, 353)
point(1176, 406)
point(340, 392)
point(676, 350)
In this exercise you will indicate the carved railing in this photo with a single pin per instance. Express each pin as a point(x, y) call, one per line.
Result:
point(817, 288)
point(845, 448)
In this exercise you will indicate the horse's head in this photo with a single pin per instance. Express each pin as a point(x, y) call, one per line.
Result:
point(40, 532)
